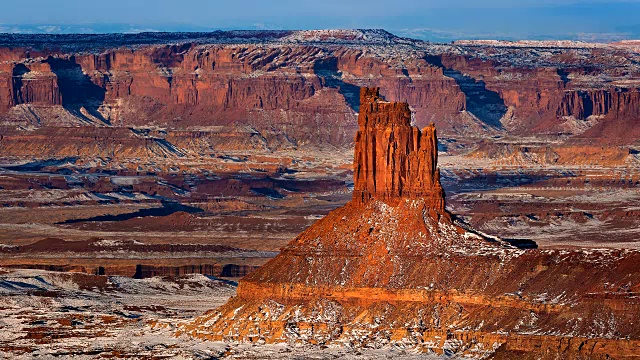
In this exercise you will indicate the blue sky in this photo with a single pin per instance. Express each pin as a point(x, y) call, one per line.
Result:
point(434, 20)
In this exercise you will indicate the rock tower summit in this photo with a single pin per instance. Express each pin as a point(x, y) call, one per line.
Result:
point(393, 159)
point(392, 267)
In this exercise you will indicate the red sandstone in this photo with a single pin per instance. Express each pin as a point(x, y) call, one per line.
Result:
point(393, 266)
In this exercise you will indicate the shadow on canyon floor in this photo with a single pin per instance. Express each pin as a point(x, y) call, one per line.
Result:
point(495, 181)
point(38, 165)
point(168, 208)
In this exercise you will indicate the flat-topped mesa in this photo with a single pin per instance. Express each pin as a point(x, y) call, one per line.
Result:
point(394, 160)
point(391, 267)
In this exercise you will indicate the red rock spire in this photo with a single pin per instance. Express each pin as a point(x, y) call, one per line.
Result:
point(394, 160)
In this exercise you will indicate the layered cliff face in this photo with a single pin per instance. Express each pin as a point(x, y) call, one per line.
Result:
point(31, 83)
point(180, 87)
point(392, 267)
point(271, 81)
point(434, 96)
point(570, 92)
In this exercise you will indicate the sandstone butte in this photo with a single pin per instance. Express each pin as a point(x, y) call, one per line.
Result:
point(394, 267)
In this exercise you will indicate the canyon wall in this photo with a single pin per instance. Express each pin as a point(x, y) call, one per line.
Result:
point(553, 98)
point(304, 93)
point(393, 267)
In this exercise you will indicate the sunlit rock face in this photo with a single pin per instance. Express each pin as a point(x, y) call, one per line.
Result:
point(393, 159)
point(394, 267)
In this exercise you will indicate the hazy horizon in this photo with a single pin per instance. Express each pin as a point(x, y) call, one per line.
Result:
point(591, 20)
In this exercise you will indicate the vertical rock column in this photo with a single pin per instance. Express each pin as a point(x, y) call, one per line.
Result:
point(394, 160)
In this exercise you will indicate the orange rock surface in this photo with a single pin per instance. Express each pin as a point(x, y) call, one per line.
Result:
point(393, 159)
point(393, 267)
point(271, 87)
